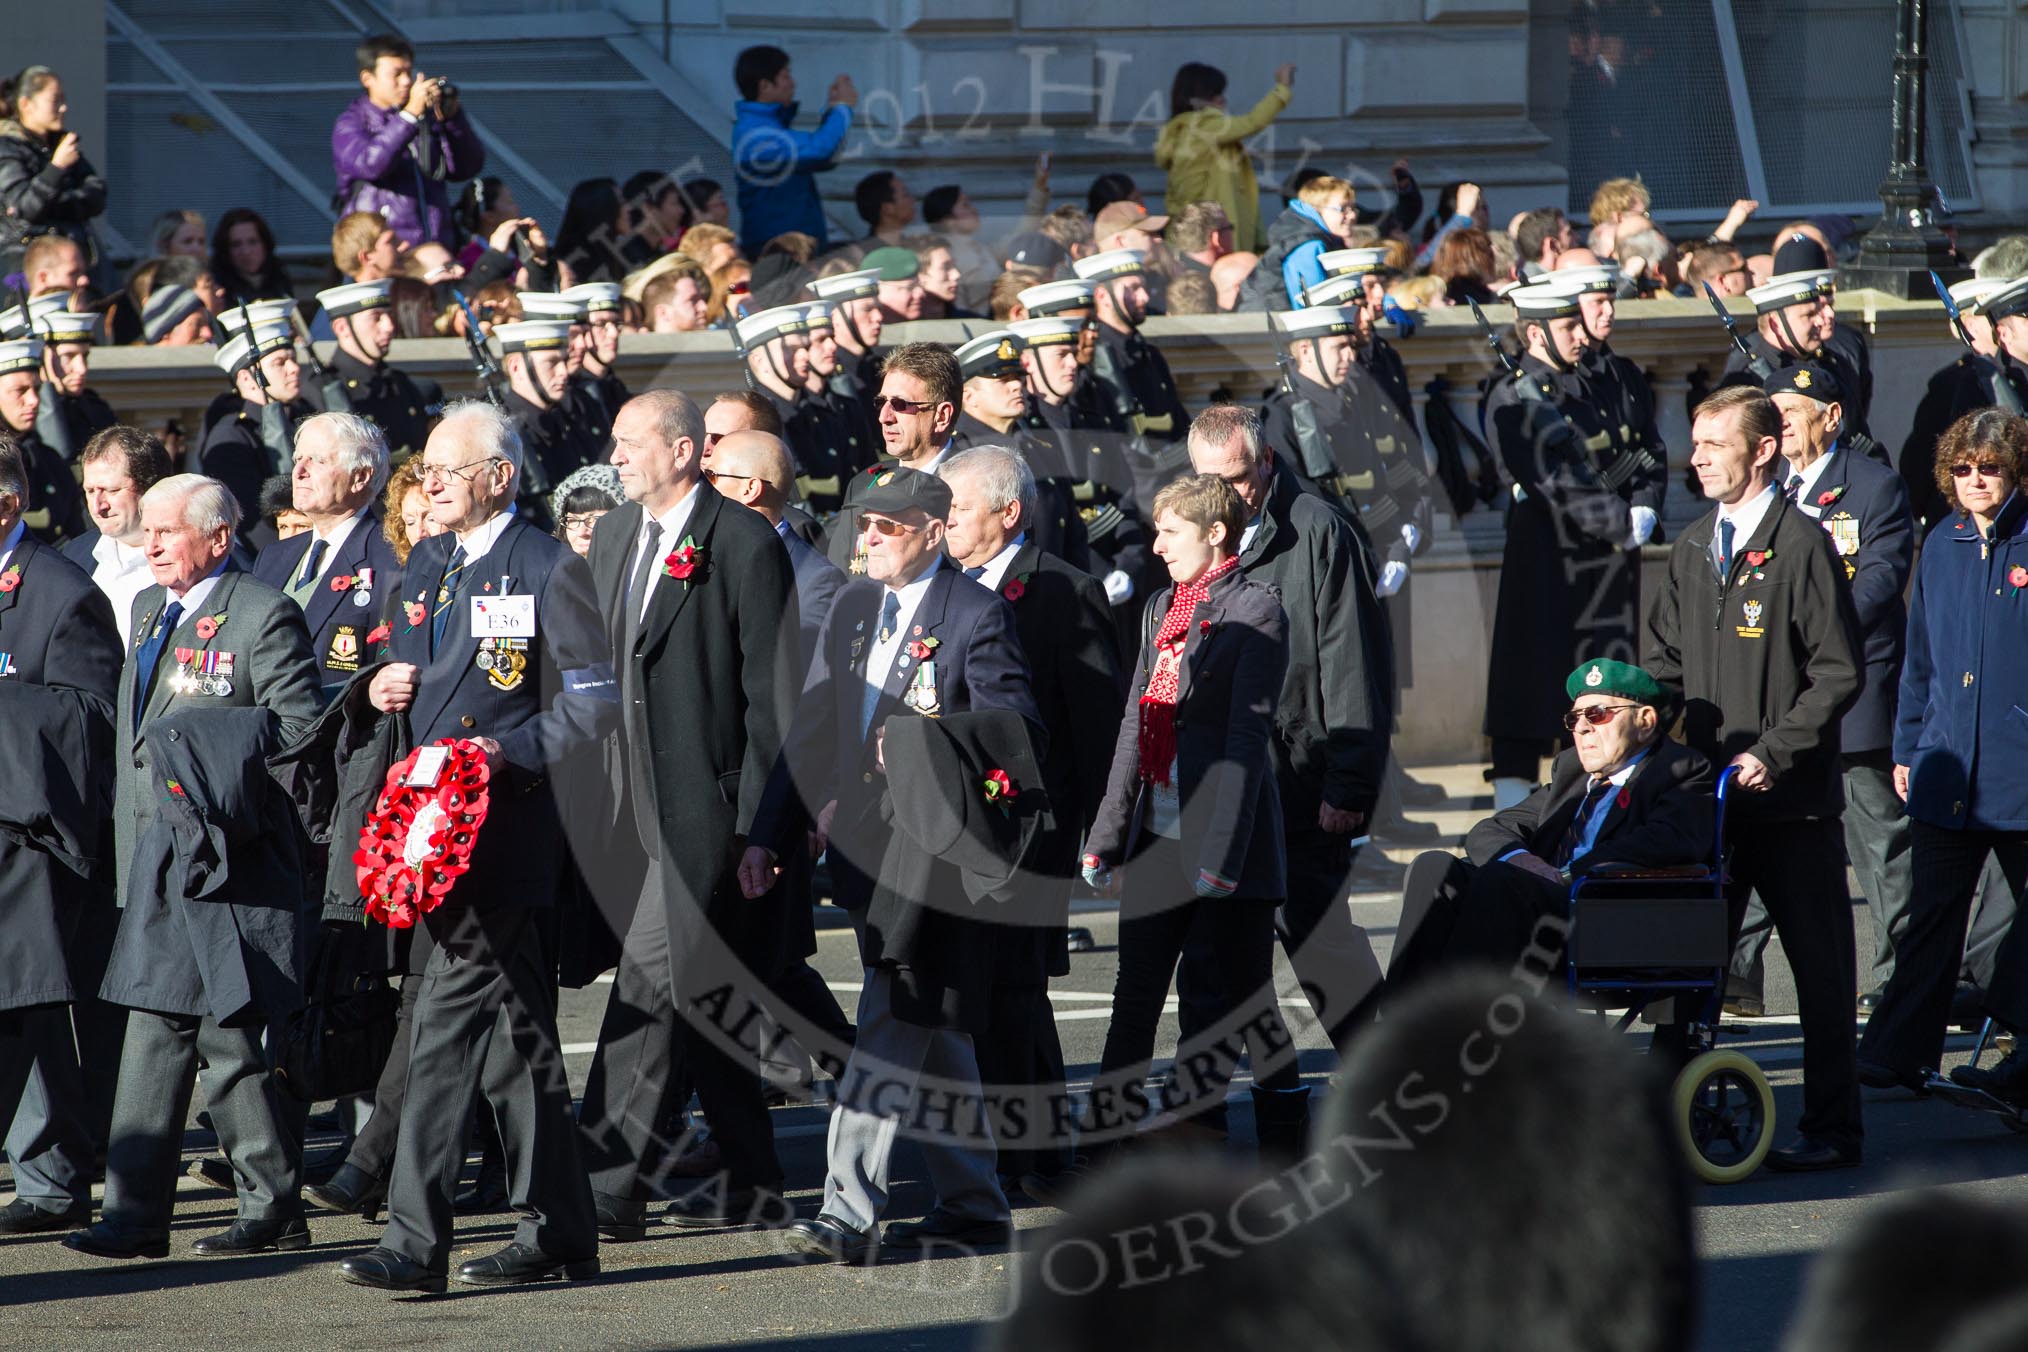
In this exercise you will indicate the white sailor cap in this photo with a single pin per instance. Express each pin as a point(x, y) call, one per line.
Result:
point(759, 328)
point(817, 314)
point(533, 335)
point(846, 286)
point(1103, 267)
point(235, 318)
point(594, 296)
point(55, 322)
point(991, 354)
point(1047, 330)
point(353, 297)
point(20, 354)
point(244, 349)
point(1972, 291)
point(1791, 288)
point(1319, 321)
point(552, 305)
point(1051, 298)
point(1337, 290)
point(1596, 278)
point(1542, 300)
point(1354, 262)
point(2011, 299)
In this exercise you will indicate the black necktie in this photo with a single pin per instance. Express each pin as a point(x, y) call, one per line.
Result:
point(447, 596)
point(1793, 487)
point(890, 611)
point(313, 564)
point(151, 653)
point(1573, 836)
point(644, 570)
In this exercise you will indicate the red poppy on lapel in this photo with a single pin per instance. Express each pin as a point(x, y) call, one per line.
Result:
point(10, 579)
point(1625, 798)
point(1014, 590)
point(380, 634)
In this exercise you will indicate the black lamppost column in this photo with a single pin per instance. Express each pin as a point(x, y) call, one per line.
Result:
point(1897, 254)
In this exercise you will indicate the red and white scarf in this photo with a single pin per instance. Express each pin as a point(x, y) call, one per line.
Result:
point(1158, 703)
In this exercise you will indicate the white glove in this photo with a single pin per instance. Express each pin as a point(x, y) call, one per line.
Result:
point(1119, 587)
point(1411, 535)
point(1392, 575)
point(1644, 527)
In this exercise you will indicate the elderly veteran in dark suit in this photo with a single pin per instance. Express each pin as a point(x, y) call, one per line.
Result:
point(59, 676)
point(1624, 793)
point(1191, 813)
point(700, 611)
point(1753, 627)
point(501, 644)
point(914, 638)
point(1067, 633)
point(208, 638)
point(341, 571)
point(1863, 506)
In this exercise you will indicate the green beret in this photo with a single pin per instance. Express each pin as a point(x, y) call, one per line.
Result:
point(1607, 677)
point(893, 265)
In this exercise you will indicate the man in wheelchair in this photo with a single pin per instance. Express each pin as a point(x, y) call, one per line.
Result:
point(1623, 795)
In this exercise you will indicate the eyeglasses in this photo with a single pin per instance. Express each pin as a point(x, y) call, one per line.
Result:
point(901, 405)
point(1598, 715)
point(573, 521)
point(886, 527)
point(462, 473)
point(1989, 470)
point(712, 476)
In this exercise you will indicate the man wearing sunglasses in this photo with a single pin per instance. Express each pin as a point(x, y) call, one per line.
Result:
point(1623, 793)
point(921, 387)
point(1754, 627)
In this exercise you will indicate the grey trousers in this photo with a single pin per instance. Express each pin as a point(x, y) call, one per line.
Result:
point(1991, 921)
point(1877, 847)
point(158, 1070)
point(483, 1020)
point(887, 1063)
point(48, 1143)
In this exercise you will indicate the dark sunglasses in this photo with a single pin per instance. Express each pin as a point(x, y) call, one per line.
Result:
point(901, 405)
point(1989, 470)
point(1598, 715)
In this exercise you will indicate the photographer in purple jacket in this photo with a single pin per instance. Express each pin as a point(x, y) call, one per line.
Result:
point(396, 147)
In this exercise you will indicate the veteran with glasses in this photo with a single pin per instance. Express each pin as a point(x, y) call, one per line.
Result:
point(1623, 793)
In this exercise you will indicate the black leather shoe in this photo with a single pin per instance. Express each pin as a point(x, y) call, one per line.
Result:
point(711, 1207)
point(259, 1236)
point(832, 1240)
point(620, 1222)
point(487, 1193)
point(390, 1271)
point(1803, 1155)
point(518, 1263)
point(2006, 1078)
point(942, 1228)
point(26, 1218)
point(214, 1170)
point(1874, 1075)
point(109, 1240)
point(325, 1167)
point(352, 1191)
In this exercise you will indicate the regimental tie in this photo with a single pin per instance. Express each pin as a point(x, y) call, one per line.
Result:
point(447, 595)
point(150, 654)
point(1573, 835)
point(890, 618)
point(1725, 530)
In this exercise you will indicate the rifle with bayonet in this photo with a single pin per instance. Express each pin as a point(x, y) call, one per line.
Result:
point(2004, 396)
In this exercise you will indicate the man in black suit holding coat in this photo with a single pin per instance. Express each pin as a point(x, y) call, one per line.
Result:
point(914, 638)
point(500, 643)
point(700, 614)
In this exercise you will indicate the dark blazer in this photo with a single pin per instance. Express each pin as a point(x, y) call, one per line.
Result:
point(1662, 817)
point(1863, 506)
point(979, 665)
point(1962, 728)
point(817, 583)
point(706, 692)
point(399, 404)
point(563, 700)
point(234, 454)
point(1235, 655)
point(1767, 662)
point(58, 678)
point(1335, 717)
point(339, 620)
point(78, 549)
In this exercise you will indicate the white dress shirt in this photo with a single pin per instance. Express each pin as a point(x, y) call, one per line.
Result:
point(12, 543)
point(334, 538)
point(122, 573)
point(1745, 519)
point(997, 567)
point(1806, 492)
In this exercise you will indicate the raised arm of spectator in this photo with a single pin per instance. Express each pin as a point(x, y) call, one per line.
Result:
point(781, 151)
point(1461, 219)
point(360, 156)
point(53, 194)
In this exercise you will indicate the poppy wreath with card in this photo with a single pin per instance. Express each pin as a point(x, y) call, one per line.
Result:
point(417, 841)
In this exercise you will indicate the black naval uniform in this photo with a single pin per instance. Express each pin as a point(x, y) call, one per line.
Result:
point(1620, 388)
point(1098, 477)
point(1963, 385)
point(596, 400)
point(1377, 357)
point(235, 455)
point(842, 438)
point(555, 440)
point(1058, 527)
point(66, 422)
point(1846, 356)
point(1983, 385)
point(1134, 387)
point(55, 511)
point(1568, 583)
point(401, 406)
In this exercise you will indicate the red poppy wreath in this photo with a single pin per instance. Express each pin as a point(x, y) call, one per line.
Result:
point(417, 841)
